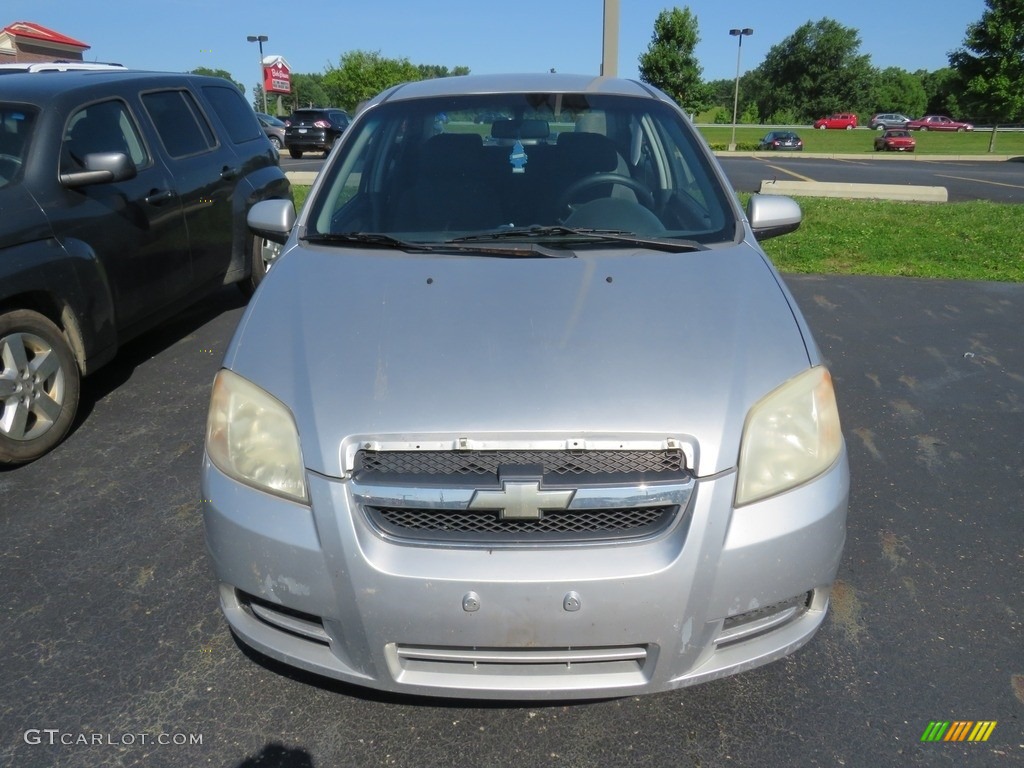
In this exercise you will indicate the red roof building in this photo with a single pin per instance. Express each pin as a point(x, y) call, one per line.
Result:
point(24, 41)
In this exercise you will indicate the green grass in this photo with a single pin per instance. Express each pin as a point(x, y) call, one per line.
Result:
point(861, 140)
point(953, 241)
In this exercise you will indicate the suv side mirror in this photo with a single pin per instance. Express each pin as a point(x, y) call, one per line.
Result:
point(101, 168)
point(773, 215)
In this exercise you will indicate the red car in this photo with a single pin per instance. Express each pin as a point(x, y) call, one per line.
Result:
point(846, 120)
point(897, 140)
point(938, 123)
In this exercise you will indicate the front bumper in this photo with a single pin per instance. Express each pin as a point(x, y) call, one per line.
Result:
point(719, 592)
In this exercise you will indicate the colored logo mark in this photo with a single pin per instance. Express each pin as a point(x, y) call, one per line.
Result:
point(958, 730)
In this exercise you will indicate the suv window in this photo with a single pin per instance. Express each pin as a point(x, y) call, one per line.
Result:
point(182, 126)
point(106, 126)
point(15, 129)
point(233, 112)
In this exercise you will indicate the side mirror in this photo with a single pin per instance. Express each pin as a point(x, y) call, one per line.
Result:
point(101, 168)
point(272, 219)
point(773, 215)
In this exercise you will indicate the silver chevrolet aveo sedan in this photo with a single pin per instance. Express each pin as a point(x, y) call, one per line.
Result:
point(523, 411)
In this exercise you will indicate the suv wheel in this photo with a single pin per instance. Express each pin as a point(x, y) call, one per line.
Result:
point(39, 386)
point(295, 153)
point(264, 254)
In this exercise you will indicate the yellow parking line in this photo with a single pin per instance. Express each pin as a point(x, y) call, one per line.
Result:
point(791, 173)
point(981, 181)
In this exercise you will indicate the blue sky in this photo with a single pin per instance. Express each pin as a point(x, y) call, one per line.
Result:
point(487, 37)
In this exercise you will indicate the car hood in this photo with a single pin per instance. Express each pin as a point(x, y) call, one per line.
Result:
point(373, 344)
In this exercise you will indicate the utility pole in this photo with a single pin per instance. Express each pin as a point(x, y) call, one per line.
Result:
point(610, 48)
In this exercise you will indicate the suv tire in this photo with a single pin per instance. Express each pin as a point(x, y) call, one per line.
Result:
point(39, 386)
point(262, 255)
point(295, 153)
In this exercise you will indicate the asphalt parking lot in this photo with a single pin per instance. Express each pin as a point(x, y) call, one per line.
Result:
point(115, 653)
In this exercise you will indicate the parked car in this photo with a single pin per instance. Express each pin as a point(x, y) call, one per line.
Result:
point(124, 196)
point(895, 141)
point(274, 127)
point(888, 120)
point(781, 140)
point(541, 421)
point(844, 120)
point(314, 130)
point(938, 123)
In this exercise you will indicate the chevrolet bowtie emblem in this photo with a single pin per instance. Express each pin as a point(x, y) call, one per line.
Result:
point(520, 500)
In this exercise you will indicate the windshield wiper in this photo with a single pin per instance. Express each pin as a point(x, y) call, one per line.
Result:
point(367, 238)
point(613, 235)
point(458, 245)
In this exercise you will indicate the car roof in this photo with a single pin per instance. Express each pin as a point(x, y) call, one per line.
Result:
point(466, 85)
point(37, 88)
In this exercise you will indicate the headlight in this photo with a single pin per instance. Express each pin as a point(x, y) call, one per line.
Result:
point(791, 435)
point(251, 436)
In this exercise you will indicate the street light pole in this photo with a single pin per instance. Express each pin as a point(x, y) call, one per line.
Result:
point(738, 33)
point(261, 39)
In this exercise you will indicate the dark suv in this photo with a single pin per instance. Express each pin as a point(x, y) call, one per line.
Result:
point(314, 130)
point(123, 198)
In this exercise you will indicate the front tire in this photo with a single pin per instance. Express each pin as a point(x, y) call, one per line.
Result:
point(39, 386)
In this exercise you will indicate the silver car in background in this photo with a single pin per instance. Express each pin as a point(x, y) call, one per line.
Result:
point(523, 411)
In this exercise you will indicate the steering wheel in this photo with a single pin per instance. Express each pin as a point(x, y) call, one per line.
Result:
point(644, 195)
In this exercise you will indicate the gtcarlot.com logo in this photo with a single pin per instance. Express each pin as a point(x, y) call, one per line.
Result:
point(958, 730)
point(55, 736)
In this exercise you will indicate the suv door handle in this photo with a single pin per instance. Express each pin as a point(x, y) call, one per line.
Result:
point(159, 196)
point(228, 173)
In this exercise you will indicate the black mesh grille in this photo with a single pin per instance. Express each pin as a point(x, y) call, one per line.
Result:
point(484, 463)
point(487, 526)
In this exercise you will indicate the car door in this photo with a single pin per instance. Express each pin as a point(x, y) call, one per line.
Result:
point(205, 170)
point(134, 227)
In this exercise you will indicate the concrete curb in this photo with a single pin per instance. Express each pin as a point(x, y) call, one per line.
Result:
point(850, 190)
point(871, 156)
point(302, 178)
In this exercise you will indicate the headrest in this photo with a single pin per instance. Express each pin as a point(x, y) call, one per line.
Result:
point(588, 152)
point(452, 151)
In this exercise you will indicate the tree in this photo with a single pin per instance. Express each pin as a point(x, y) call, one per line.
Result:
point(815, 71)
point(431, 71)
point(896, 90)
point(991, 64)
point(360, 75)
point(942, 88)
point(669, 62)
point(308, 91)
point(217, 73)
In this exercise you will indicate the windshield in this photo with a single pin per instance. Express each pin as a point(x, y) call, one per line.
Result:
point(545, 165)
point(15, 130)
